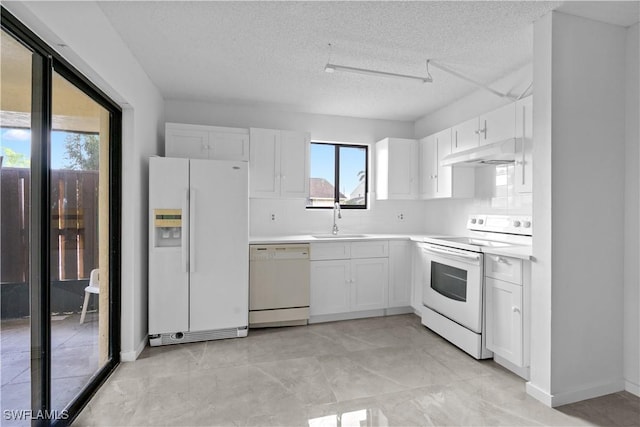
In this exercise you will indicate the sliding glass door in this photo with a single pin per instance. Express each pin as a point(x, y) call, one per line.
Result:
point(15, 194)
point(60, 188)
point(79, 244)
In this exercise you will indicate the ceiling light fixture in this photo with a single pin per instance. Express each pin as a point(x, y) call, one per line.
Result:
point(330, 68)
point(467, 79)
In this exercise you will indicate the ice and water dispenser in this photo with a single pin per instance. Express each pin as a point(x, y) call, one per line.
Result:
point(168, 227)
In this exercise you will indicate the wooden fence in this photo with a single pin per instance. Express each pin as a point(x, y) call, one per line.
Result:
point(74, 224)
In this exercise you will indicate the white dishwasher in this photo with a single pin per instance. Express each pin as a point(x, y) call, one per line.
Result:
point(278, 285)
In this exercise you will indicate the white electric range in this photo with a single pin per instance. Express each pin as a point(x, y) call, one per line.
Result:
point(453, 277)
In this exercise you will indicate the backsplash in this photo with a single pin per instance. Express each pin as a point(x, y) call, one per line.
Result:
point(291, 217)
point(494, 194)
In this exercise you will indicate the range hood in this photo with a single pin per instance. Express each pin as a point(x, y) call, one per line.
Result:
point(498, 153)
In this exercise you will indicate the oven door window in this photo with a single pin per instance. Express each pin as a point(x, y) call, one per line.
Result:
point(449, 281)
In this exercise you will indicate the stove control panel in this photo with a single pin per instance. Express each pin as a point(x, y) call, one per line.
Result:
point(511, 224)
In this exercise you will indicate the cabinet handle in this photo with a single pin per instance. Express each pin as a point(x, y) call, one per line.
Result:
point(456, 138)
point(515, 309)
point(500, 260)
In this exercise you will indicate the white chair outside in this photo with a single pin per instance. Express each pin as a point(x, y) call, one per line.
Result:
point(93, 288)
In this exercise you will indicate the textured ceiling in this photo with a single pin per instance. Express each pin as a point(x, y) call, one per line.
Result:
point(273, 53)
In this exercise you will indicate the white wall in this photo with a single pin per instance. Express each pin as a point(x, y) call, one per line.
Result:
point(449, 216)
point(291, 215)
point(579, 161)
point(632, 217)
point(97, 51)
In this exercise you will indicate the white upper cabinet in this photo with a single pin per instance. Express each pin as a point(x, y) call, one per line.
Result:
point(206, 142)
point(443, 173)
point(498, 125)
point(465, 135)
point(428, 167)
point(397, 169)
point(524, 145)
point(294, 164)
point(438, 181)
point(278, 164)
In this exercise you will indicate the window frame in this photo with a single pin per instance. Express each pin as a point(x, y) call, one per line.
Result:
point(336, 178)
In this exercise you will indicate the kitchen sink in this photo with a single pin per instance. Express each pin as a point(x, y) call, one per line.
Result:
point(338, 236)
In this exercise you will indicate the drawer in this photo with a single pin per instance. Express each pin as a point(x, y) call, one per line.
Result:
point(503, 268)
point(324, 251)
point(370, 249)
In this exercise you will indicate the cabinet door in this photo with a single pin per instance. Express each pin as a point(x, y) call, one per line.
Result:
point(443, 173)
point(264, 163)
point(417, 276)
point(330, 287)
point(403, 169)
point(524, 145)
point(504, 320)
point(465, 135)
point(294, 164)
point(228, 146)
point(498, 125)
point(369, 283)
point(399, 274)
point(186, 143)
point(428, 167)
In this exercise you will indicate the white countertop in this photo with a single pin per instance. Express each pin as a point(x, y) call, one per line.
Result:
point(308, 238)
point(516, 251)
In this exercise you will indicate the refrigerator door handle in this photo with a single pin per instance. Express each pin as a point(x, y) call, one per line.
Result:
point(192, 234)
point(186, 225)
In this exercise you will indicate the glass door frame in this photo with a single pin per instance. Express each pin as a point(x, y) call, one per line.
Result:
point(45, 61)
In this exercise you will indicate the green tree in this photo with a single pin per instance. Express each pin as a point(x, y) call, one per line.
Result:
point(82, 151)
point(13, 159)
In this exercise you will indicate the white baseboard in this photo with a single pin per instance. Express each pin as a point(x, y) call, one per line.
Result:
point(632, 388)
point(345, 316)
point(398, 310)
point(588, 392)
point(131, 356)
point(539, 394)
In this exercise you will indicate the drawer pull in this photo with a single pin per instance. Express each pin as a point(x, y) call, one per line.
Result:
point(515, 309)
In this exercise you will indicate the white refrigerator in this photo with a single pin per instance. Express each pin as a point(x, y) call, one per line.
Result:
point(198, 250)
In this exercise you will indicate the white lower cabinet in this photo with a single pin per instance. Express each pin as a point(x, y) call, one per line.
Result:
point(330, 287)
point(507, 283)
point(504, 320)
point(369, 282)
point(417, 276)
point(400, 273)
point(348, 283)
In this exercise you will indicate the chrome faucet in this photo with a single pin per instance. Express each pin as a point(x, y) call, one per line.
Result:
point(336, 208)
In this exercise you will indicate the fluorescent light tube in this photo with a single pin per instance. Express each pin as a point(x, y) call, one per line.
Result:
point(330, 68)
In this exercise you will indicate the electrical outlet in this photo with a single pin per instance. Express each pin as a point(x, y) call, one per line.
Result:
point(273, 216)
point(400, 216)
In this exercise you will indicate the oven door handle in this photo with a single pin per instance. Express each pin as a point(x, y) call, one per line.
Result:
point(473, 257)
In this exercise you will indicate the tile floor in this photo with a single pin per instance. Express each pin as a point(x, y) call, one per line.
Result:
point(379, 371)
point(74, 360)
